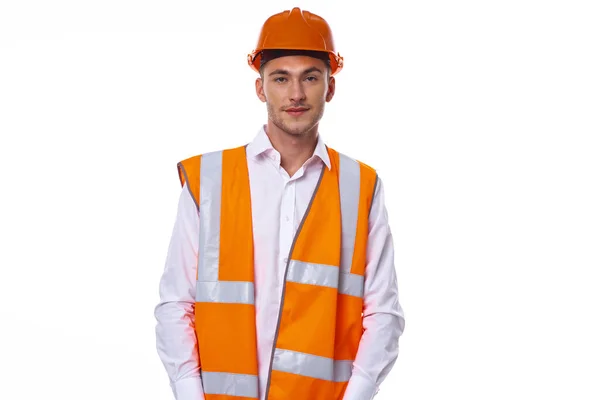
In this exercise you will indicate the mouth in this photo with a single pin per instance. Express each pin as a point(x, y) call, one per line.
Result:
point(296, 111)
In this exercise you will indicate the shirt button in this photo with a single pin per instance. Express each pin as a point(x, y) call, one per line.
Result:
point(287, 219)
point(285, 260)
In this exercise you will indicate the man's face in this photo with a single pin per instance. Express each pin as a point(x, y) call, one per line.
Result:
point(295, 89)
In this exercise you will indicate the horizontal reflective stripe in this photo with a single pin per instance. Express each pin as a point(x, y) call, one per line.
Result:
point(342, 370)
point(313, 274)
point(352, 284)
point(225, 292)
point(312, 366)
point(230, 384)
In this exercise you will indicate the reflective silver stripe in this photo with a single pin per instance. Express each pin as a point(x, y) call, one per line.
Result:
point(325, 275)
point(312, 366)
point(313, 274)
point(211, 175)
point(352, 284)
point(230, 384)
point(349, 181)
point(225, 292)
point(303, 364)
point(342, 370)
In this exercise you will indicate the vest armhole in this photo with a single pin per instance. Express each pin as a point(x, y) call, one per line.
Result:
point(183, 178)
point(373, 195)
point(371, 175)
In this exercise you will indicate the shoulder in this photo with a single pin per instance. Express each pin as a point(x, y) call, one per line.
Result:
point(343, 160)
point(364, 175)
point(190, 167)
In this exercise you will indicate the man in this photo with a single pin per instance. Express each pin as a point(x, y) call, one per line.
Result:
point(280, 281)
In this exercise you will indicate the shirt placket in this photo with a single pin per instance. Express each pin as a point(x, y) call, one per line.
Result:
point(286, 231)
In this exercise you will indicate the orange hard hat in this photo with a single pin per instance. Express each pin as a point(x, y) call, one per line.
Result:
point(296, 30)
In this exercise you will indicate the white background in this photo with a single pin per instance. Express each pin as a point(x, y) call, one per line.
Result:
point(482, 118)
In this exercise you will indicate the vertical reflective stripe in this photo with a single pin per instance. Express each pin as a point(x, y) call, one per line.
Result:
point(230, 384)
point(313, 274)
point(211, 174)
point(349, 196)
point(225, 292)
point(352, 284)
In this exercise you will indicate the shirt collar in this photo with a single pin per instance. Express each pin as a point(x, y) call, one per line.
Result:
point(262, 144)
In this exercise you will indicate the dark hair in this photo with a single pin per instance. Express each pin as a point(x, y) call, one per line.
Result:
point(271, 54)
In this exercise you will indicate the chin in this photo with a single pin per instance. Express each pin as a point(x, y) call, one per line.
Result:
point(297, 129)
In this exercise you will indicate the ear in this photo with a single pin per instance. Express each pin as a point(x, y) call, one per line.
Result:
point(330, 89)
point(260, 91)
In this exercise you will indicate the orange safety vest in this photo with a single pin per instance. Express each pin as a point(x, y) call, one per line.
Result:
point(320, 320)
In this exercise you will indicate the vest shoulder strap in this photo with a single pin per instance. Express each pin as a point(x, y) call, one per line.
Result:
point(368, 176)
point(189, 169)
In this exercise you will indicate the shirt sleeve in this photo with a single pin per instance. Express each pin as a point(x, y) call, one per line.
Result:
point(383, 317)
point(175, 334)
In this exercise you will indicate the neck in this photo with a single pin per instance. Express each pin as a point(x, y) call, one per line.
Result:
point(294, 149)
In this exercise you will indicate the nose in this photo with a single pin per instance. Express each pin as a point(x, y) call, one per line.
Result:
point(297, 93)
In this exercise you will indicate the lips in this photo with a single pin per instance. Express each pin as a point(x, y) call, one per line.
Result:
point(296, 111)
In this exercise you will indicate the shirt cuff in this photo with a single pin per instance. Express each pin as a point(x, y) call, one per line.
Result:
point(188, 389)
point(360, 388)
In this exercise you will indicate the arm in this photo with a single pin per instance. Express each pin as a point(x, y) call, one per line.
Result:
point(175, 335)
point(383, 317)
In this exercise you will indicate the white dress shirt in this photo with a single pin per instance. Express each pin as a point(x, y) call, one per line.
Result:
point(278, 205)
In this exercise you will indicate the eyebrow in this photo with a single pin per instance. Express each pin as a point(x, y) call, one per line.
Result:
point(285, 72)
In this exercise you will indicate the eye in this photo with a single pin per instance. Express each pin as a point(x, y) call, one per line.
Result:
point(279, 79)
point(311, 78)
